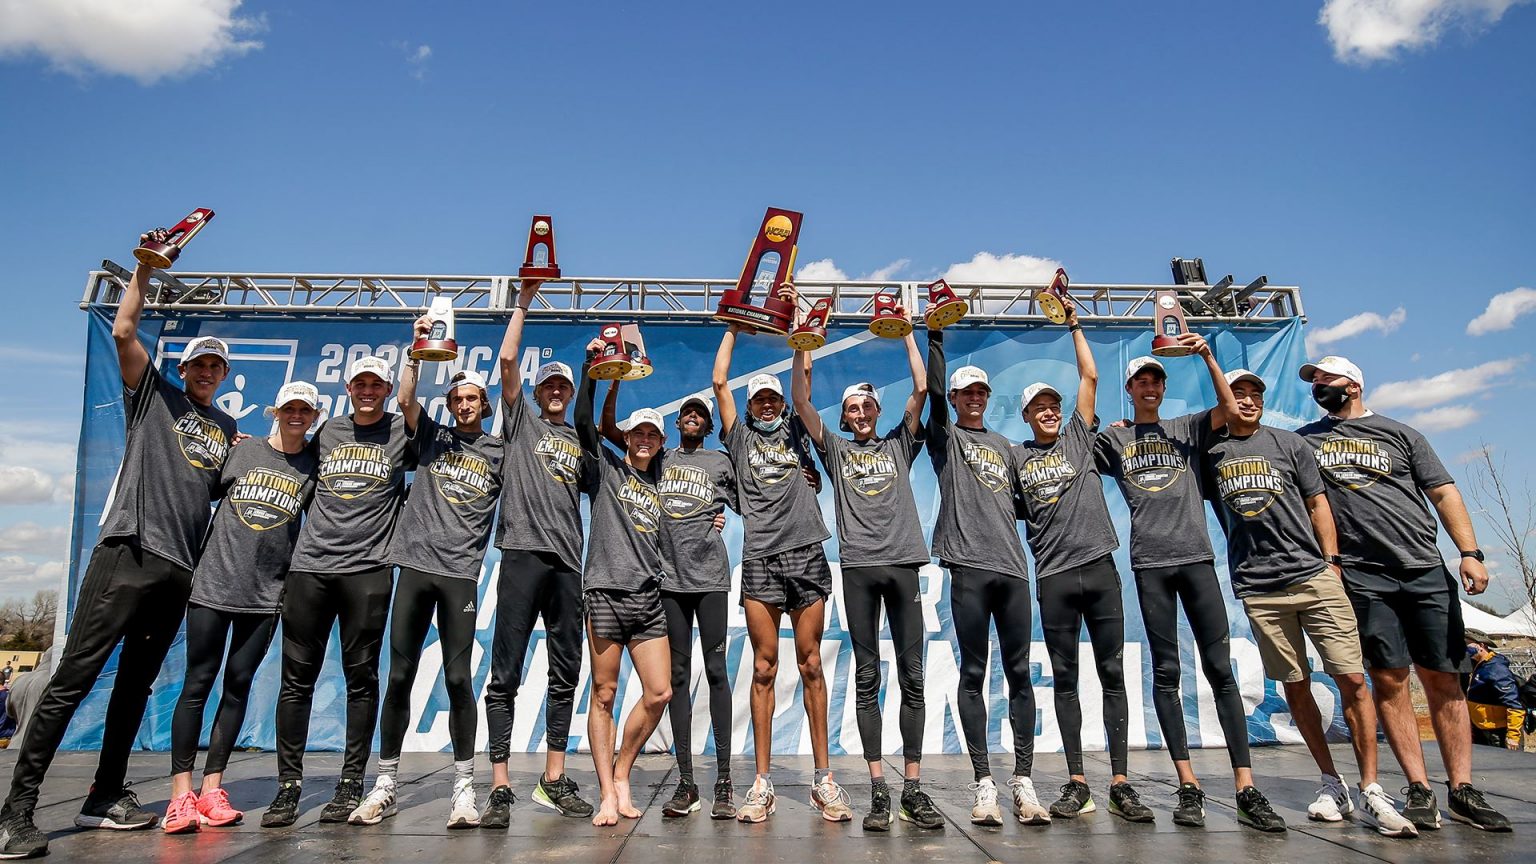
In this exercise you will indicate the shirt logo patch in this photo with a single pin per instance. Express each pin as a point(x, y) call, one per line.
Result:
point(641, 505)
point(354, 469)
point(987, 464)
point(868, 472)
point(1152, 464)
point(1353, 463)
point(1248, 484)
point(265, 499)
point(771, 461)
point(685, 490)
point(202, 441)
point(1046, 477)
point(462, 478)
point(562, 457)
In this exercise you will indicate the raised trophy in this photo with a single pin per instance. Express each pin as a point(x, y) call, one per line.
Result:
point(163, 253)
point(622, 357)
point(944, 308)
point(770, 265)
point(639, 361)
point(888, 321)
point(1167, 325)
point(812, 332)
point(1053, 298)
point(438, 343)
point(539, 262)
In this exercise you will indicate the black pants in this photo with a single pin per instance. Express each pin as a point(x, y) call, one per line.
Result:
point(1160, 591)
point(976, 597)
point(711, 610)
point(248, 635)
point(417, 594)
point(1490, 737)
point(129, 595)
point(1088, 594)
point(864, 590)
point(532, 584)
point(312, 602)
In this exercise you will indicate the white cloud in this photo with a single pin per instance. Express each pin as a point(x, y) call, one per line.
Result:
point(20, 576)
point(881, 274)
point(416, 58)
point(1364, 31)
point(48, 447)
point(1455, 384)
point(1502, 311)
point(1008, 268)
point(146, 40)
point(34, 539)
point(821, 271)
point(20, 484)
point(1474, 455)
point(1441, 419)
point(1354, 326)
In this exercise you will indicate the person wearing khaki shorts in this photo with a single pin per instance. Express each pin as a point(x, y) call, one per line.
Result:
point(1283, 558)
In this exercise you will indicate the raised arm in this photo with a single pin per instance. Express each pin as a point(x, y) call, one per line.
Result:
point(938, 405)
point(132, 359)
point(1087, 369)
point(512, 342)
point(610, 422)
point(800, 391)
point(725, 402)
point(1226, 403)
point(914, 410)
point(586, 429)
point(410, 409)
point(1458, 524)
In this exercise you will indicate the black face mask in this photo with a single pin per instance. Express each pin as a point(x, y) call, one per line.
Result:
point(1333, 399)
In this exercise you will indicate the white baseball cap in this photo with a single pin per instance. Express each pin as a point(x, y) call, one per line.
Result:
point(701, 401)
point(965, 376)
point(1333, 365)
point(463, 377)
point(863, 388)
point(295, 391)
point(1237, 375)
point(372, 364)
point(1144, 362)
point(1036, 389)
point(763, 381)
point(205, 345)
point(550, 370)
point(643, 415)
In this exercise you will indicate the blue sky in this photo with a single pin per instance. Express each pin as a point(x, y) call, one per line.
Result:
point(1375, 152)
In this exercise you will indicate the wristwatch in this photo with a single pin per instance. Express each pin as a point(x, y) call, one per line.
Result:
point(1476, 554)
point(1335, 560)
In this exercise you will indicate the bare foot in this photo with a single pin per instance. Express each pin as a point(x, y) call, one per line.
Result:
point(626, 802)
point(607, 813)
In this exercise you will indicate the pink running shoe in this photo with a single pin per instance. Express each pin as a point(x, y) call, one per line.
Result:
point(181, 814)
point(215, 810)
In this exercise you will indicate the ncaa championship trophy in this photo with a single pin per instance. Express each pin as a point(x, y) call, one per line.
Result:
point(770, 265)
point(944, 308)
point(1053, 299)
point(812, 332)
point(539, 262)
point(888, 321)
point(622, 356)
point(1167, 325)
point(162, 253)
point(438, 344)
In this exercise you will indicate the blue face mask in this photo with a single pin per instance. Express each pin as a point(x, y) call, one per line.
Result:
point(767, 428)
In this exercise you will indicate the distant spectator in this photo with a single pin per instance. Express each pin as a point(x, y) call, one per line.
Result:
point(7, 725)
point(5, 674)
point(1493, 695)
point(24, 696)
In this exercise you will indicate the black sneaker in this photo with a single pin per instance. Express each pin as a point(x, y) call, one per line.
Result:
point(917, 807)
point(19, 838)
point(1075, 799)
point(1468, 805)
point(879, 816)
point(497, 814)
point(349, 794)
point(118, 811)
point(284, 809)
point(724, 808)
point(1421, 808)
point(1125, 803)
point(684, 801)
point(1190, 811)
point(561, 796)
point(1254, 811)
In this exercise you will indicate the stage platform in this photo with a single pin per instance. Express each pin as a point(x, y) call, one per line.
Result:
point(796, 834)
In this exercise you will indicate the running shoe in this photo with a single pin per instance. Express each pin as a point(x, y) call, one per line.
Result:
point(1026, 804)
point(181, 815)
point(683, 801)
point(725, 807)
point(918, 808)
point(832, 800)
point(1378, 810)
point(118, 812)
point(1333, 802)
point(349, 794)
point(562, 796)
point(19, 838)
point(1190, 811)
point(214, 809)
point(284, 809)
point(760, 803)
point(984, 811)
point(879, 816)
point(1469, 806)
point(1076, 799)
point(1421, 808)
point(462, 809)
point(378, 806)
point(1254, 811)
point(1126, 803)
point(498, 809)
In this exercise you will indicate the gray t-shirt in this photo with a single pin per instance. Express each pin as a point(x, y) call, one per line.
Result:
point(1376, 471)
point(1061, 500)
point(696, 485)
point(541, 496)
point(778, 509)
point(170, 473)
point(251, 540)
point(1259, 487)
point(625, 550)
point(359, 486)
point(446, 521)
point(877, 522)
point(1156, 466)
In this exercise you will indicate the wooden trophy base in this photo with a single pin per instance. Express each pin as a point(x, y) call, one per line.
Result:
point(611, 368)
point(639, 367)
point(1168, 346)
point(942, 315)
point(807, 338)
point(157, 255)
point(436, 351)
point(890, 327)
point(1053, 308)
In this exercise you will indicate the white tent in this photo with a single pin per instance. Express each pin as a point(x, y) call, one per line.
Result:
point(1521, 622)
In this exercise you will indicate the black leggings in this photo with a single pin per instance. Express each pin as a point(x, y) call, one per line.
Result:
point(864, 589)
point(976, 597)
point(249, 635)
point(1068, 599)
point(312, 602)
point(531, 584)
point(710, 609)
point(1161, 590)
point(417, 594)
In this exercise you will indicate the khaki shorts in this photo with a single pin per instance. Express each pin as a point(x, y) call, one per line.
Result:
point(1318, 607)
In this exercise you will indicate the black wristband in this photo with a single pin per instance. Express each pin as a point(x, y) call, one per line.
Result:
point(1074, 328)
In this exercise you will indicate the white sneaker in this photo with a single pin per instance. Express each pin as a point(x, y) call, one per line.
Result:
point(1026, 805)
point(1333, 802)
point(462, 810)
point(378, 805)
point(1378, 810)
point(985, 811)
